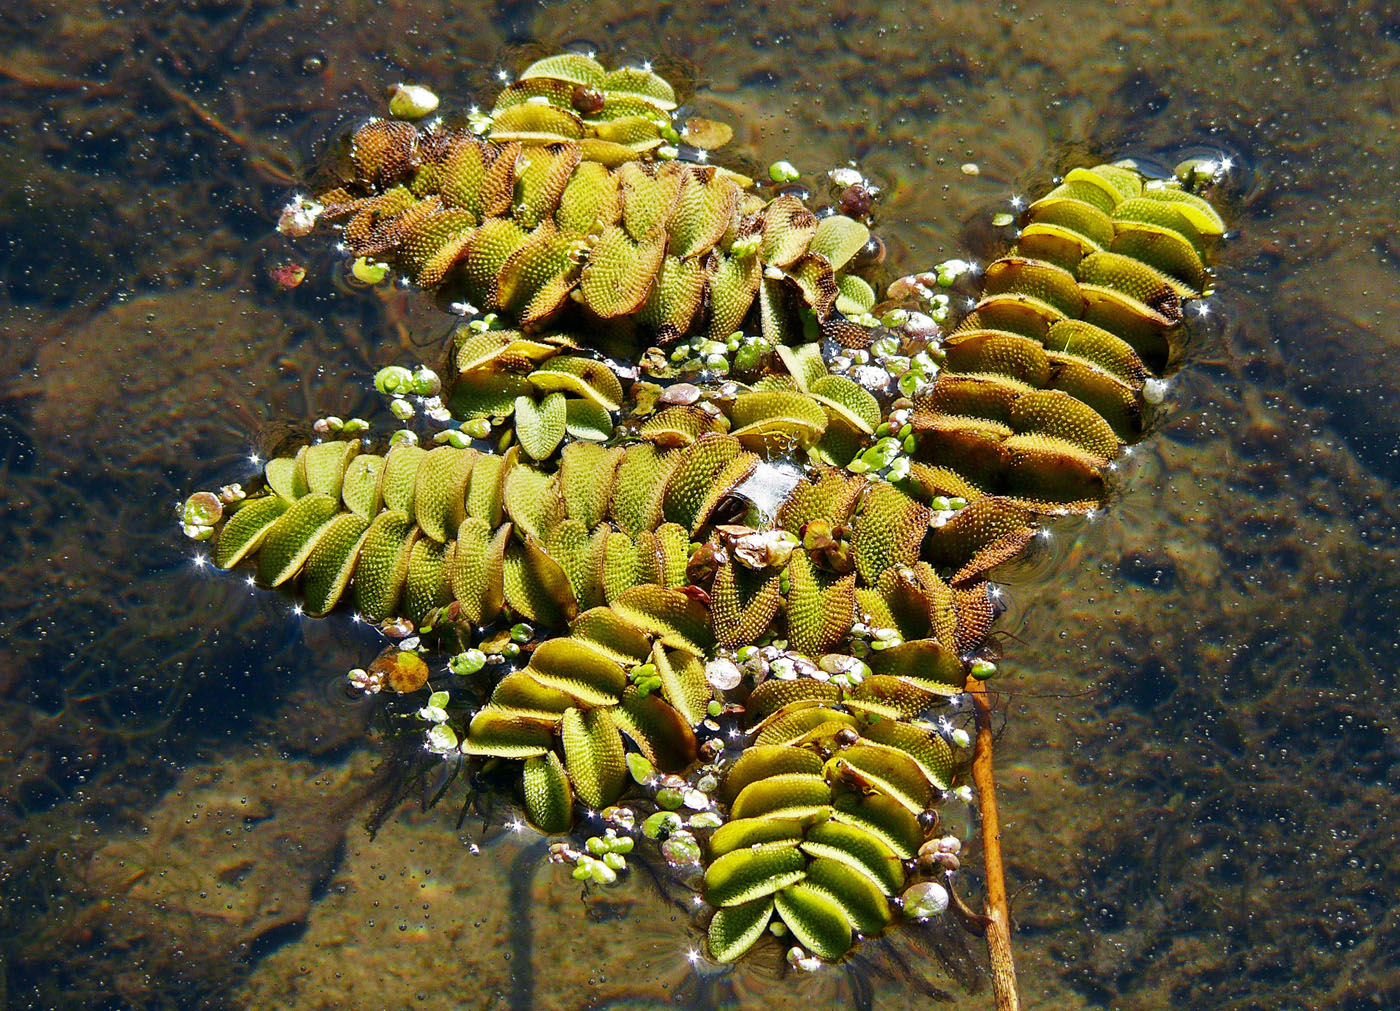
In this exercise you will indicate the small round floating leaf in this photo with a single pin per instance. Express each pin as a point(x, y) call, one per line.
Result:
point(402, 670)
point(243, 533)
point(594, 756)
point(540, 427)
point(549, 800)
point(706, 133)
point(735, 929)
point(924, 899)
point(816, 919)
point(747, 874)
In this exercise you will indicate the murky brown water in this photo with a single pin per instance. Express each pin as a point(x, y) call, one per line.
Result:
point(1200, 756)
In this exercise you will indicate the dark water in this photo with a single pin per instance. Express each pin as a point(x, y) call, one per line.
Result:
point(1200, 758)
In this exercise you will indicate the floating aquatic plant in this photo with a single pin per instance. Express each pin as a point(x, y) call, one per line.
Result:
point(723, 559)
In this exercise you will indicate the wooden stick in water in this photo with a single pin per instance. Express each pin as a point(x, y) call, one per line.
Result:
point(999, 930)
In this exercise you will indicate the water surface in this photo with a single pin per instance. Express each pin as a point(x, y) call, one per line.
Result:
point(1199, 759)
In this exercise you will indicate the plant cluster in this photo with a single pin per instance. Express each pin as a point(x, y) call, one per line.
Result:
point(703, 534)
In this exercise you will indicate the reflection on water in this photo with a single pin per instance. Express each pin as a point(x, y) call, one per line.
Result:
point(1199, 757)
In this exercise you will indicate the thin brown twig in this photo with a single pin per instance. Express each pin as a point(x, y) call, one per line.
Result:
point(998, 911)
point(54, 82)
point(258, 159)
